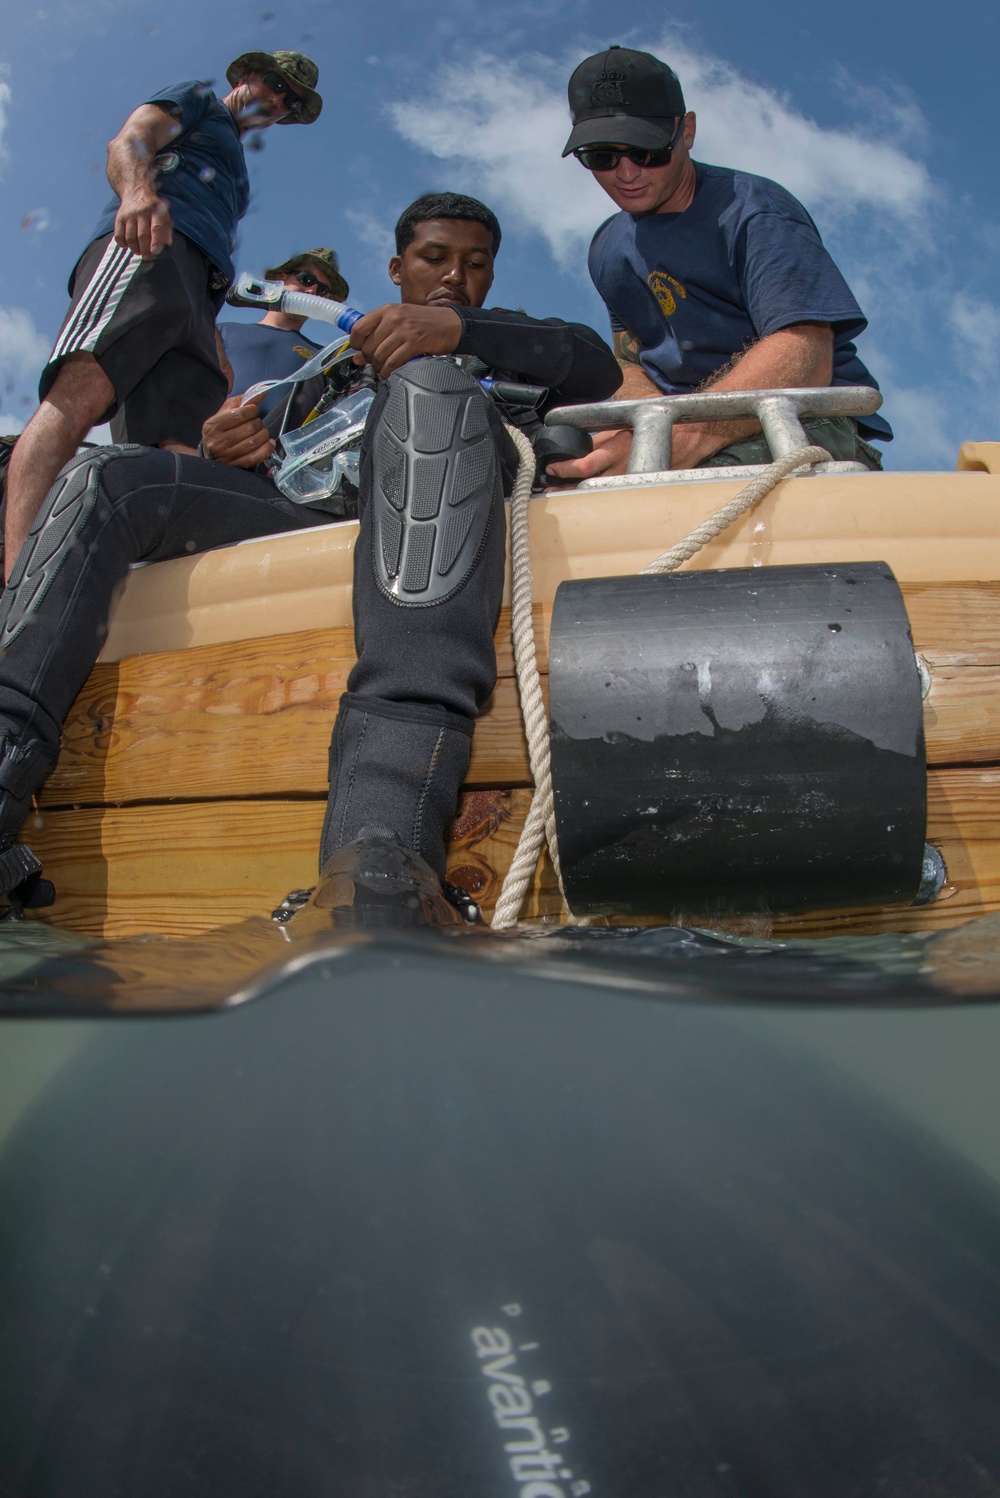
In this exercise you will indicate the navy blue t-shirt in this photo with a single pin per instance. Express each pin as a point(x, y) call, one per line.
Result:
point(742, 261)
point(202, 174)
point(258, 353)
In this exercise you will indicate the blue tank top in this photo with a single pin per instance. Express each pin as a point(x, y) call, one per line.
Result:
point(744, 260)
point(202, 174)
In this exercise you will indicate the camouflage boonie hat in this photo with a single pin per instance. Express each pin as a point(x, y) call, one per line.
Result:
point(325, 259)
point(300, 70)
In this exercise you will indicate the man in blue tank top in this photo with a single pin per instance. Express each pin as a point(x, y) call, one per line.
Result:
point(138, 344)
point(713, 278)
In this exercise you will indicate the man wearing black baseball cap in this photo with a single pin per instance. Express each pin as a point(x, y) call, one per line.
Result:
point(713, 278)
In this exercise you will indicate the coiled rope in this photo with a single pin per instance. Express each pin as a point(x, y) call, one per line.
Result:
point(541, 820)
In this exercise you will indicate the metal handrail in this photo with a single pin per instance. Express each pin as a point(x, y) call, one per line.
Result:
point(779, 412)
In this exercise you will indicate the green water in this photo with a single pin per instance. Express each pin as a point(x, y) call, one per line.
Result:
point(844, 1001)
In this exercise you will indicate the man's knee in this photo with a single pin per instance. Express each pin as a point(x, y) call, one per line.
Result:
point(79, 498)
point(435, 482)
point(81, 391)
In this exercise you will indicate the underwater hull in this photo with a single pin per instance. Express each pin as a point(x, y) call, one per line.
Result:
point(480, 1234)
point(191, 786)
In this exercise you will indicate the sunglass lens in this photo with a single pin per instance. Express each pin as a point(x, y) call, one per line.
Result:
point(599, 160)
point(604, 159)
point(306, 278)
point(279, 85)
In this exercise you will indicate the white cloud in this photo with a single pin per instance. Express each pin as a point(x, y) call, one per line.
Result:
point(23, 352)
point(925, 429)
point(23, 349)
point(888, 105)
point(4, 106)
point(976, 325)
point(757, 129)
point(501, 126)
point(372, 232)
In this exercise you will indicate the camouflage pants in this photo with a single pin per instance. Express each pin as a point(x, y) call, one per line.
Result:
point(838, 434)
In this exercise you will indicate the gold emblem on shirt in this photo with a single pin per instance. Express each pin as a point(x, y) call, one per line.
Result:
point(666, 291)
point(307, 353)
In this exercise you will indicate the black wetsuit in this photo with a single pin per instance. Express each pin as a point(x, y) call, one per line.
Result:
point(116, 506)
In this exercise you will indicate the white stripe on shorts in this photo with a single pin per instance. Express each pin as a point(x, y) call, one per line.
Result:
point(100, 280)
point(97, 306)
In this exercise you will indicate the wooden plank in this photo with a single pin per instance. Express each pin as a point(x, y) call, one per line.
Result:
point(175, 870)
point(253, 717)
point(955, 623)
point(183, 869)
point(241, 719)
point(179, 870)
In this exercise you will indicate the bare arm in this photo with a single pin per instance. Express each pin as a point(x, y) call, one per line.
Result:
point(143, 223)
point(800, 355)
point(636, 384)
point(791, 358)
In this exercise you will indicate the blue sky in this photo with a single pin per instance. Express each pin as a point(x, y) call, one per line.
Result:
point(880, 116)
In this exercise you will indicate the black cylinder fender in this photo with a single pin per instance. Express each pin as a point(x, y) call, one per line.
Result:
point(739, 740)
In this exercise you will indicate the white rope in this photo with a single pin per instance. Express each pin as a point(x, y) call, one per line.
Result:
point(541, 820)
point(803, 457)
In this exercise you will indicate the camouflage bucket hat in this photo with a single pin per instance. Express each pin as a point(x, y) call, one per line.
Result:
point(301, 72)
point(325, 260)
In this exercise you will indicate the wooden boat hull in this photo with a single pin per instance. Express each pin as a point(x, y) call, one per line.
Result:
point(192, 782)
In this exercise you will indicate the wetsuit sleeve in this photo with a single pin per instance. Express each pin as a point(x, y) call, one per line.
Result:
point(570, 359)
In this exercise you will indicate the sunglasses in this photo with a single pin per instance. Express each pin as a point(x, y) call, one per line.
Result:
point(606, 158)
point(279, 85)
point(306, 278)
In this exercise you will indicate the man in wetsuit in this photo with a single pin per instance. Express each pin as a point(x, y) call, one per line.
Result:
point(714, 279)
point(275, 346)
point(429, 563)
point(138, 344)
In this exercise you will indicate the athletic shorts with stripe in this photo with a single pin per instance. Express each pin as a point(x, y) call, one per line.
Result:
point(150, 324)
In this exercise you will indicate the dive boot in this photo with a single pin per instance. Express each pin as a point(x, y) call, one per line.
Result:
point(397, 766)
point(375, 883)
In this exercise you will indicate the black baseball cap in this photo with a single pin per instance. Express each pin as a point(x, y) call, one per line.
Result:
point(623, 97)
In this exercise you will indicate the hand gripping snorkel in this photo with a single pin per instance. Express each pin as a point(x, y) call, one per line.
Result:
point(310, 470)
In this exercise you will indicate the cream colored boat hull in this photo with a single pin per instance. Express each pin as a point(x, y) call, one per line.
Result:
point(191, 787)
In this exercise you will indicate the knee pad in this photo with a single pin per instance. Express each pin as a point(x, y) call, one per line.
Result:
point(70, 503)
point(435, 482)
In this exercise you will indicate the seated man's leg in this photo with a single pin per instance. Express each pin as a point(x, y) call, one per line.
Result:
point(107, 509)
point(428, 582)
